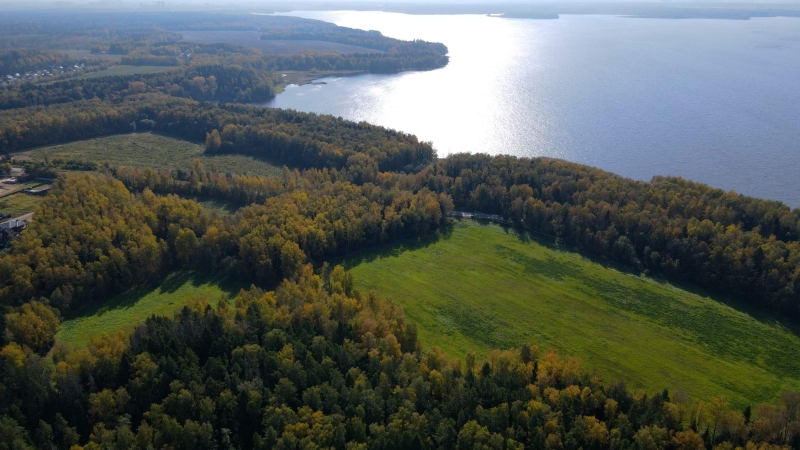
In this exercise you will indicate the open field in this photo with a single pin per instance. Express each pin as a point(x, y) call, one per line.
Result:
point(19, 204)
point(80, 54)
point(10, 189)
point(151, 150)
point(219, 207)
point(133, 307)
point(270, 47)
point(481, 287)
point(123, 70)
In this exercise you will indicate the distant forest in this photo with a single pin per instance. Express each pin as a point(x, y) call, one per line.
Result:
point(303, 359)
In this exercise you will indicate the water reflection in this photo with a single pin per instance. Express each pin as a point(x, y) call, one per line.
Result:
point(712, 100)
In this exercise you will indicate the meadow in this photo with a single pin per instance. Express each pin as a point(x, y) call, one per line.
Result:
point(151, 150)
point(19, 204)
point(123, 70)
point(130, 308)
point(479, 287)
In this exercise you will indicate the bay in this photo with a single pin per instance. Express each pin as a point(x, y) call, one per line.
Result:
point(715, 101)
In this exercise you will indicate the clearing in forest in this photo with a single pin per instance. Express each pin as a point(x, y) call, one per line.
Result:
point(151, 150)
point(133, 307)
point(18, 204)
point(479, 287)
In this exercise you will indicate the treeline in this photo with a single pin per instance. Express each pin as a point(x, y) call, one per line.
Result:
point(730, 244)
point(322, 31)
point(211, 76)
point(145, 58)
point(121, 241)
point(288, 137)
point(91, 238)
point(735, 245)
point(372, 62)
point(318, 364)
point(230, 80)
point(14, 61)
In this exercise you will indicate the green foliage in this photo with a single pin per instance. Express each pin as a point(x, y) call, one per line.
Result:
point(140, 150)
point(289, 137)
point(480, 288)
point(121, 70)
point(91, 238)
point(397, 54)
point(32, 324)
point(131, 308)
point(317, 362)
point(310, 365)
point(734, 245)
point(24, 60)
point(19, 204)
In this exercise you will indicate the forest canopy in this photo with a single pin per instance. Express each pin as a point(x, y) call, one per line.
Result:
point(303, 359)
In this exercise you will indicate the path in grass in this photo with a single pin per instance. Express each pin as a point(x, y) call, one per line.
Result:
point(133, 307)
point(480, 287)
point(151, 150)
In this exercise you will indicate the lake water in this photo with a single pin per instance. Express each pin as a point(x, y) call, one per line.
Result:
point(716, 101)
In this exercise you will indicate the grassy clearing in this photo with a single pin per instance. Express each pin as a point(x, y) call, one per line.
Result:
point(80, 54)
point(151, 150)
point(219, 207)
point(123, 70)
point(133, 307)
point(19, 204)
point(481, 287)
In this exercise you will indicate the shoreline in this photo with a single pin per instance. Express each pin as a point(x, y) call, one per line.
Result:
point(300, 78)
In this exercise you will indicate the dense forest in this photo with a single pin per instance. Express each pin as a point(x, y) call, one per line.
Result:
point(154, 39)
point(302, 359)
point(317, 364)
point(23, 60)
point(729, 243)
point(144, 237)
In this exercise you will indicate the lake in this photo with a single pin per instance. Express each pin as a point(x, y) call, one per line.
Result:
point(716, 101)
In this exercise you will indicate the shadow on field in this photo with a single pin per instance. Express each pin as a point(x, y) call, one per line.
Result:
point(168, 285)
point(391, 249)
point(759, 314)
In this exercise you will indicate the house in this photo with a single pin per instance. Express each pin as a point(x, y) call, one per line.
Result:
point(9, 230)
point(13, 225)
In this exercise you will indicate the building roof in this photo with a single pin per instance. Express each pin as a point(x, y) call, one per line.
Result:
point(13, 224)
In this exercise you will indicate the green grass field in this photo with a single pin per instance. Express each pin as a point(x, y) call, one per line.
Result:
point(133, 307)
point(151, 150)
point(80, 54)
point(19, 204)
point(478, 287)
point(219, 207)
point(123, 70)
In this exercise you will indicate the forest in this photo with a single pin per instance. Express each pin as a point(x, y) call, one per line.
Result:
point(303, 359)
point(23, 60)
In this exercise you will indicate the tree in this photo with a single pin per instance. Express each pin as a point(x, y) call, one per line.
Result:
point(292, 259)
point(213, 141)
point(688, 440)
point(33, 324)
point(186, 245)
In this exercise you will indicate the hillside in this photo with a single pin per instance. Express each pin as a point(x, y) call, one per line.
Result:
point(480, 287)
